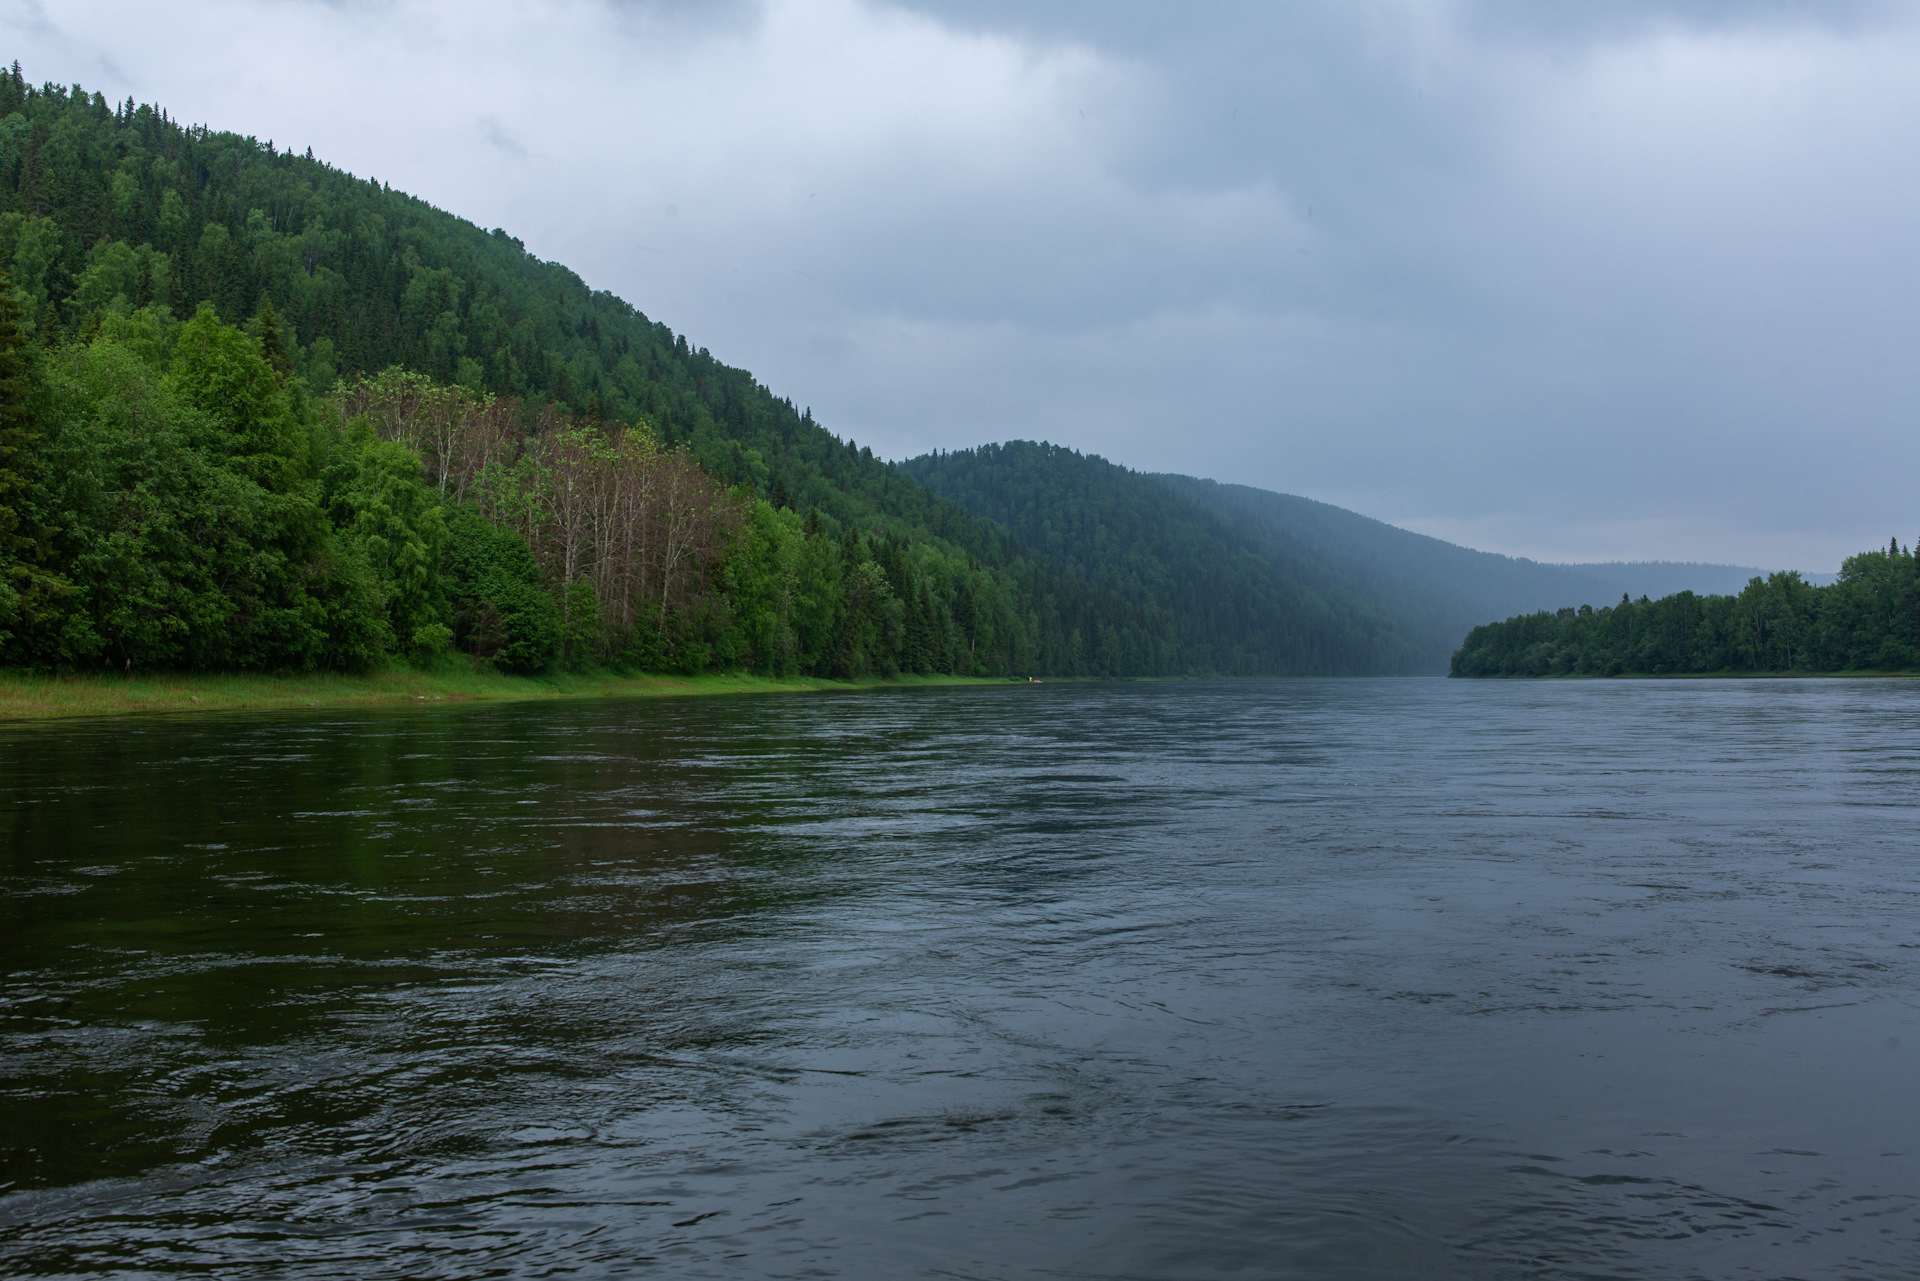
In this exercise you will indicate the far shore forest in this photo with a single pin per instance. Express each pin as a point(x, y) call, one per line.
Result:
point(1867, 621)
point(260, 415)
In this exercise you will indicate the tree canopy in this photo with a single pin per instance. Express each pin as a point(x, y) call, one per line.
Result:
point(1868, 620)
point(210, 356)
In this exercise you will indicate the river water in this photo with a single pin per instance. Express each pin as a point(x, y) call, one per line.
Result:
point(1321, 979)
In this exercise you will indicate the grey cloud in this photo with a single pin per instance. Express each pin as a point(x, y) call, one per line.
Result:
point(1579, 24)
point(1568, 364)
point(496, 135)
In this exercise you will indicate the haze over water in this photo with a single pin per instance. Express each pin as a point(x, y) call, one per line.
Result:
point(1259, 979)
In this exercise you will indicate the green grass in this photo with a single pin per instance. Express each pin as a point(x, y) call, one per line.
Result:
point(25, 696)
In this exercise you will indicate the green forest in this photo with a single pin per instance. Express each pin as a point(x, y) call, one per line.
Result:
point(260, 414)
point(1210, 598)
point(1868, 620)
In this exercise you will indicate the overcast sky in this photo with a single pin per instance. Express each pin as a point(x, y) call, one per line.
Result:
point(1537, 280)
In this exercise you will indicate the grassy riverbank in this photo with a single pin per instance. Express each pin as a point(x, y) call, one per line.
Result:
point(29, 697)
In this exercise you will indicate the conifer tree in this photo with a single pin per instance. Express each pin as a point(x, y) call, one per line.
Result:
point(33, 176)
point(266, 329)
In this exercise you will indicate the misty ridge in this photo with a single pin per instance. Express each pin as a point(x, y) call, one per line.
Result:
point(1658, 578)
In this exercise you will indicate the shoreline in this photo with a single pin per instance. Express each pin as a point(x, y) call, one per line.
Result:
point(1863, 674)
point(25, 697)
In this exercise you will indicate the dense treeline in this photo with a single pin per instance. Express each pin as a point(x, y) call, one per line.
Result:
point(170, 497)
point(1200, 593)
point(120, 226)
point(1867, 620)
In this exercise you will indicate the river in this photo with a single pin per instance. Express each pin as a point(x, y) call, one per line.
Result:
point(1316, 979)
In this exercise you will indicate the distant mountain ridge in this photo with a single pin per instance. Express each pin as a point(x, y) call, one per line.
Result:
point(1157, 540)
point(1549, 584)
point(1657, 578)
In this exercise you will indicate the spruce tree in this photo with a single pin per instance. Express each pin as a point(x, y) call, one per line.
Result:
point(266, 329)
point(33, 174)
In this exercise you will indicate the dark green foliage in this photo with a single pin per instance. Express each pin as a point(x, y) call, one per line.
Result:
point(581, 629)
point(27, 591)
point(353, 606)
point(385, 520)
point(1868, 620)
point(1182, 589)
point(246, 418)
point(499, 610)
point(1196, 576)
point(157, 515)
point(15, 426)
point(346, 277)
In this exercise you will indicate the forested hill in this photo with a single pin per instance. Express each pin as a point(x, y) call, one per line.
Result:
point(118, 224)
point(1438, 589)
point(1456, 580)
point(1171, 544)
point(127, 234)
point(1432, 590)
point(102, 202)
point(1235, 601)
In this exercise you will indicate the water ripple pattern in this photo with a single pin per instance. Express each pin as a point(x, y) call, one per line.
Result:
point(1320, 979)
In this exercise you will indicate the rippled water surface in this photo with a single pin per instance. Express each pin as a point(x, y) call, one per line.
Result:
point(1309, 979)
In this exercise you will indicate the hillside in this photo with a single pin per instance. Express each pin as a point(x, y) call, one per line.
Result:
point(1439, 589)
point(1172, 545)
point(105, 205)
point(118, 225)
point(1432, 591)
point(1235, 602)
